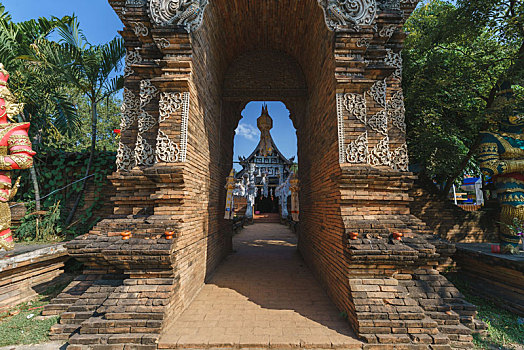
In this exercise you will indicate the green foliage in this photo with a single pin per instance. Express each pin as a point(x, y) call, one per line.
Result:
point(47, 101)
point(108, 121)
point(58, 169)
point(40, 228)
point(68, 87)
point(455, 59)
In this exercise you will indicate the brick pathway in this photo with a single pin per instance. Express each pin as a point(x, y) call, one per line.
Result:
point(262, 295)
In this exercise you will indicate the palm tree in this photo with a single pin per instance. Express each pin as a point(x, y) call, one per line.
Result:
point(47, 104)
point(88, 68)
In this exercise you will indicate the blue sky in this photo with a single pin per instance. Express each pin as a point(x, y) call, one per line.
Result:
point(100, 24)
point(97, 19)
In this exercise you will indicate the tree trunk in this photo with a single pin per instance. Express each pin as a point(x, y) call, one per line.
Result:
point(461, 167)
point(36, 188)
point(94, 119)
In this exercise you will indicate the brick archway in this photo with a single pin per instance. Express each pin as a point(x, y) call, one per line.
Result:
point(190, 69)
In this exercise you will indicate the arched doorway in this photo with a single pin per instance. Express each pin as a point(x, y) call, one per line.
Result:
point(191, 67)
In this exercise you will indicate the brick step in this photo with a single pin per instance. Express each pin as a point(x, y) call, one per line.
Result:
point(101, 326)
point(79, 307)
point(69, 295)
point(55, 307)
point(62, 331)
point(140, 340)
point(454, 329)
point(74, 317)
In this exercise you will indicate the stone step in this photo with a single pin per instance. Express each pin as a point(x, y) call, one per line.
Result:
point(143, 341)
point(455, 329)
point(62, 331)
point(97, 325)
point(74, 317)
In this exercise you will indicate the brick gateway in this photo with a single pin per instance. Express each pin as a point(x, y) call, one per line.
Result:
point(191, 67)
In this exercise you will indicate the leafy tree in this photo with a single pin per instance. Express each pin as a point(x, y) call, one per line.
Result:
point(457, 58)
point(47, 104)
point(108, 121)
point(90, 69)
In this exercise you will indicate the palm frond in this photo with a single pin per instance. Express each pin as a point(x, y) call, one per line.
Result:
point(69, 31)
point(113, 54)
point(113, 85)
point(66, 119)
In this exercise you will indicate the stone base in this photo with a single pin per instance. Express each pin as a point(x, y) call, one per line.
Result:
point(397, 293)
point(498, 277)
point(396, 297)
point(28, 270)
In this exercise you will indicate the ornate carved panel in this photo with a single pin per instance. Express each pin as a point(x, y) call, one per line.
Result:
point(394, 59)
point(166, 150)
point(379, 122)
point(385, 5)
point(380, 154)
point(187, 14)
point(357, 150)
point(400, 159)
point(162, 43)
point(387, 31)
point(183, 127)
point(140, 29)
point(129, 110)
point(355, 104)
point(146, 122)
point(125, 158)
point(133, 4)
point(396, 111)
point(348, 13)
point(353, 108)
point(378, 92)
point(341, 136)
point(169, 103)
point(144, 153)
point(132, 57)
point(147, 92)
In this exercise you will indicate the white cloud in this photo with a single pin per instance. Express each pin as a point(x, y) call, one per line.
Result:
point(247, 131)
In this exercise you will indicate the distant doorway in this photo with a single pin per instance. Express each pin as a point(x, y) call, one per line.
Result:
point(267, 205)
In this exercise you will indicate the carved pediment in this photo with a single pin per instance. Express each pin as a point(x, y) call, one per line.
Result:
point(186, 14)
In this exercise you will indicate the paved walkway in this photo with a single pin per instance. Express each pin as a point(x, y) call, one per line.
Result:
point(262, 295)
point(43, 346)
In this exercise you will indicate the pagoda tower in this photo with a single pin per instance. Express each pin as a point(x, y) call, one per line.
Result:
point(271, 167)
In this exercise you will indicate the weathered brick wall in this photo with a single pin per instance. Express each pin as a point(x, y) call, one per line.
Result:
point(261, 65)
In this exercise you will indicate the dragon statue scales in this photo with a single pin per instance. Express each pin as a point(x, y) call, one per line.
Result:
point(501, 156)
point(15, 153)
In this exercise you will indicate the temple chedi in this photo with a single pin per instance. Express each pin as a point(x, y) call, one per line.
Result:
point(265, 168)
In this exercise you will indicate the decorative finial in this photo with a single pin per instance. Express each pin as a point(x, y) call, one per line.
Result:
point(265, 124)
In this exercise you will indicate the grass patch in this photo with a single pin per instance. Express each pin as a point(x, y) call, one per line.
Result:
point(22, 324)
point(16, 328)
point(505, 329)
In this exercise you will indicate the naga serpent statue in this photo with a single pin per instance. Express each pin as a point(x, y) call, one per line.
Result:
point(501, 156)
point(15, 153)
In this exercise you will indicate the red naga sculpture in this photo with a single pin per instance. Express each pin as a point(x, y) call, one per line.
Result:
point(15, 153)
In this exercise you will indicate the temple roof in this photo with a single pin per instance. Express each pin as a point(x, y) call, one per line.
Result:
point(266, 146)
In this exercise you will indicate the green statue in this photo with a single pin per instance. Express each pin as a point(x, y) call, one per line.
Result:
point(501, 157)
